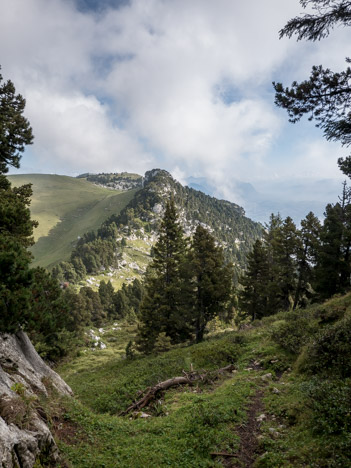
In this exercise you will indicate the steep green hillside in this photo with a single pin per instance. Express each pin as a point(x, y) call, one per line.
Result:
point(103, 255)
point(66, 208)
point(225, 220)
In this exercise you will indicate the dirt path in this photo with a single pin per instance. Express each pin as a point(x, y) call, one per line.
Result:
point(248, 432)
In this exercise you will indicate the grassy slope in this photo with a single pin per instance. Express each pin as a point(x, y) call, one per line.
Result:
point(190, 423)
point(136, 252)
point(66, 208)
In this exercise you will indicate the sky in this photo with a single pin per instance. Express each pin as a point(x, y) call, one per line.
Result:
point(118, 85)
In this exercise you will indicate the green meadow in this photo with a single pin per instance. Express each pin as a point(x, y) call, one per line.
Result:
point(66, 208)
point(270, 409)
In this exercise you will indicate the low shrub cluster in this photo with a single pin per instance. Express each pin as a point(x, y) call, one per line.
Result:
point(330, 351)
point(294, 332)
point(331, 404)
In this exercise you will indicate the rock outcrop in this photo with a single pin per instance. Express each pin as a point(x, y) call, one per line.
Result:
point(24, 435)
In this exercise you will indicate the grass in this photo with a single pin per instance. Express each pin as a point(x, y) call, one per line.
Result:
point(188, 424)
point(114, 381)
point(66, 208)
point(136, 252)
point(196, 424)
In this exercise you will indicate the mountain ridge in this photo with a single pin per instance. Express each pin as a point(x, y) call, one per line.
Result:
point(133, 205)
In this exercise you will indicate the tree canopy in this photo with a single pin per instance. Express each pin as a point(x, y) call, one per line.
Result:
point(326, 95)
point(15, 130)
point(211, 280)
point(163, 308)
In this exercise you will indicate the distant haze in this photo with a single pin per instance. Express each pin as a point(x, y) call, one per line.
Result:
point(289, 199)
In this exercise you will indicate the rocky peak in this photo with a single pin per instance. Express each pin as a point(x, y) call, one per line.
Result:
point(159, 173)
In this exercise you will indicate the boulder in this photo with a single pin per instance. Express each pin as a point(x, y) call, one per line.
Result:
point(24, 436)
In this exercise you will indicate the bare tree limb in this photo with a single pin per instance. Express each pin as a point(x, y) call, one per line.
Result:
point(187, 379)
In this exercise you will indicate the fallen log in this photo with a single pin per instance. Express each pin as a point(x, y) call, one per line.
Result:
point(187, 379)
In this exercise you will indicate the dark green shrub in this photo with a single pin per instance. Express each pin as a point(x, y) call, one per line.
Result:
point(330, 314)
point(217, 353)
point(331, 404)
point(293, 334)
point(330, 352)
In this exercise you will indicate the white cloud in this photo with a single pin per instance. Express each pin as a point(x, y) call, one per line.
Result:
point(76, 134)
point(178, 84)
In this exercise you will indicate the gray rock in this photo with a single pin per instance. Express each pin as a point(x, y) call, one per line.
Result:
point(267, 376)
point(21, 447)
point(21, 364)
point(274, 433)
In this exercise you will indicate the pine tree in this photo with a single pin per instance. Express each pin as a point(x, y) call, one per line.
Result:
point(271, 237)
point(333, 269)
point(326, 95)
point(307, 248)
point(163, 308)
point(121, 304)
point(281, 244)
point(15, 130)
point(93, 305)
point(106, 293)
point(271, 279)
point(253, 298)
point(16, 227)
point(286, 248)
point(212, 280)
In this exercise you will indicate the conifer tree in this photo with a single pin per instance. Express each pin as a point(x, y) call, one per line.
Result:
point(106, 293)
point(15, 130)
point(16, 227)
point(285, 253)
point(272, 270)
point(163, 308)
point(281, 244)
point(326, 95)
point(333, 264)
point(271, 238)
point(307, 248)
point(212, 280)
point(253, 298)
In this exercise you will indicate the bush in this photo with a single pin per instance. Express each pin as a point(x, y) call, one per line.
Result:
point(292, 335)
point(331, 404)
point(217, 353)
point(162, 343)
point(330, 352)
point(330, 314)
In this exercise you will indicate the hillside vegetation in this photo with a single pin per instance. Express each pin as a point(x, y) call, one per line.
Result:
point(66, 208)
point(286, 391)
point(137, 224)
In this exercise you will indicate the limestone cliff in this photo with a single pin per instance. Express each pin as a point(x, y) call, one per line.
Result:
point(24, 435)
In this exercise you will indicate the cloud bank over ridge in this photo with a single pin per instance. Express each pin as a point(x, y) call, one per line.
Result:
point(186, 86)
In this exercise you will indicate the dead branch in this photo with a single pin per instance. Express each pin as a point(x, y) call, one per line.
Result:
point(187, 379)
